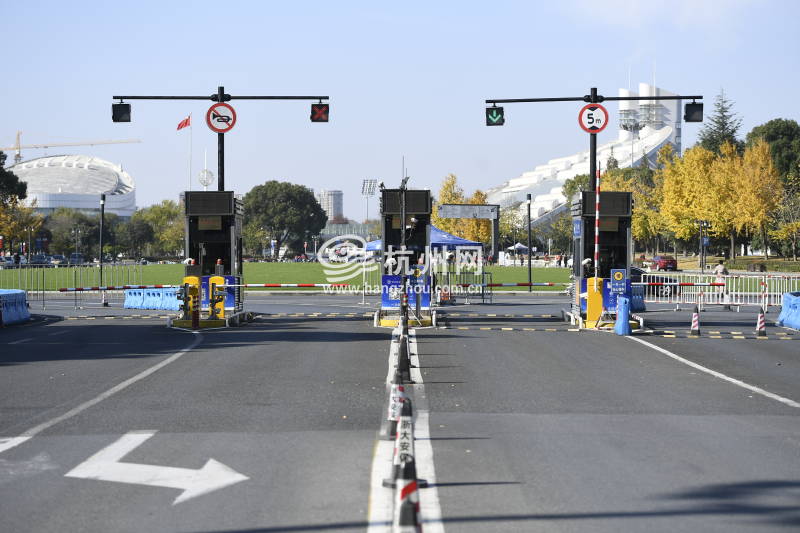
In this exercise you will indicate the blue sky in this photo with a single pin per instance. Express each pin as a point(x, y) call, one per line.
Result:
point(405, 79)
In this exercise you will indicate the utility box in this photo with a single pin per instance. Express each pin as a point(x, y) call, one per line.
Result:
point(214, 232)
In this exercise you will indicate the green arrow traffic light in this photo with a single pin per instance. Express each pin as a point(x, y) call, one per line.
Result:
point(494, 116)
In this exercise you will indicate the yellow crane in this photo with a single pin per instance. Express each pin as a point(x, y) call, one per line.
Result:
point(18, 146)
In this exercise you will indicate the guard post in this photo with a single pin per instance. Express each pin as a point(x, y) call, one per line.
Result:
point(406, 237)
point(214, 241)
point(592, 296)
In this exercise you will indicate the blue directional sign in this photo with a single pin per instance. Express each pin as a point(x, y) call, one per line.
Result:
point(576, 227)
point(705, 241)
point(618, 281)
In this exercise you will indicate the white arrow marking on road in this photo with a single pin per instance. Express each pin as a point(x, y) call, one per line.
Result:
point(105, 465)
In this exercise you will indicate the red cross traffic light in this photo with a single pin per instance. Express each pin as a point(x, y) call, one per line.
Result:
point(319, 112)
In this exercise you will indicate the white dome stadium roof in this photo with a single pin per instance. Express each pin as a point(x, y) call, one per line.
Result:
point(76, 174)
point(77, 181)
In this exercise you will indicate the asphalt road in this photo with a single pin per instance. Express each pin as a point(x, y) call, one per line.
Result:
point(530, 429)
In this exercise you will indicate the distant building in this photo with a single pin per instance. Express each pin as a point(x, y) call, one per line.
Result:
point(644, 127)
point(332, 203)
point(76, 182)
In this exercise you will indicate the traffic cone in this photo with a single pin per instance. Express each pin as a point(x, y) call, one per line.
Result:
point(761, 324)
point(695, 331)
point(397, 396)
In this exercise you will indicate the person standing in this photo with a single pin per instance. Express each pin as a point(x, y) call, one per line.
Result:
point(720, 271)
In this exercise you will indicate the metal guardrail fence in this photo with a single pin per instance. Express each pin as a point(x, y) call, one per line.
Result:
point(42, 283)
point(739, 289)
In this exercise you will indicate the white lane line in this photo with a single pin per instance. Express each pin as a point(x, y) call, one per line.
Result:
point(20, 341)
point(720, 375)
point(429, 506)
point(379, 517)
point(6, 444)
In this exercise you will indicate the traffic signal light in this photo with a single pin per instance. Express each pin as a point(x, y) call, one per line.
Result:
point(121, 112)
point(319, 112)
point(693, 112)
point(494, 116)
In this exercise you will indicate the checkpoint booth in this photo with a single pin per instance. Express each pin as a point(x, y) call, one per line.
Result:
point(213, 239)
point(403, 260)
point(596, 290)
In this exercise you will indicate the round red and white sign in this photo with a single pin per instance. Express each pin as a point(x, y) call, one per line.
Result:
point(221, 117)
point(593, 118)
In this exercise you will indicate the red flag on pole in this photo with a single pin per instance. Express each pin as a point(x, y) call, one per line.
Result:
point(185, 122)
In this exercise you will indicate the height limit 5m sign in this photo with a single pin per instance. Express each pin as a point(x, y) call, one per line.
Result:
point(593, 118)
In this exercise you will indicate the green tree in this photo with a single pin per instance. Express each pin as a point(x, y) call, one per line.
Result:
point(167, 221)
point(133, 236)
point(284, 211)
point(63, 223)
point(721, 127)
point(10, 185)
point(783, 137)
point(512, 222)
point(574, 185)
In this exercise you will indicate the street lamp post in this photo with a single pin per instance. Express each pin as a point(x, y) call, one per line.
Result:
point(30, 229)
point(528, 202)
point(102, 223)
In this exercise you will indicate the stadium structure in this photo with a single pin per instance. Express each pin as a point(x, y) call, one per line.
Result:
point(644, 127)
point(76, 182)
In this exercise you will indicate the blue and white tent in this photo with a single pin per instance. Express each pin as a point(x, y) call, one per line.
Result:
point(439, 239)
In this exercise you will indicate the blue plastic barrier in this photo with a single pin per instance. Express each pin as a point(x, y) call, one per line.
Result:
point(623, 325)
point(14, 305)
point(637, 299)
point(790, 310)
point(156, 299)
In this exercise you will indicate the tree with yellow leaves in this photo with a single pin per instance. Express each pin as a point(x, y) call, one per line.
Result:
point(449, 193)
point(16, 218)
point(757, 190)
point(719, 203)
point(684, 185)
point(646, 222)
point(477, 229)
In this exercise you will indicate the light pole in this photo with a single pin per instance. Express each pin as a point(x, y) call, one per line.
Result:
point(30, 229)
point(528, 202)
point(368, 189)
point(76, 232)
point(102, 223)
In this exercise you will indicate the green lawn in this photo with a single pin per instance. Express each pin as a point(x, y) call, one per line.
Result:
point(55, 278)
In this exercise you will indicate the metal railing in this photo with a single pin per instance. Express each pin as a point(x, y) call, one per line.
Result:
point(42, 282)
point(704, 289)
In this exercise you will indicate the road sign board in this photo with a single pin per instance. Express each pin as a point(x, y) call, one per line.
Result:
point(618, 284)
point(489, 211)
point(576, 227)
point(495, 116)
point(221, 117)
point(706, 241)
point(593, 118)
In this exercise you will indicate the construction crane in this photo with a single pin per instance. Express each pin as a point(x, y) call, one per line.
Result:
point(18, 146)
